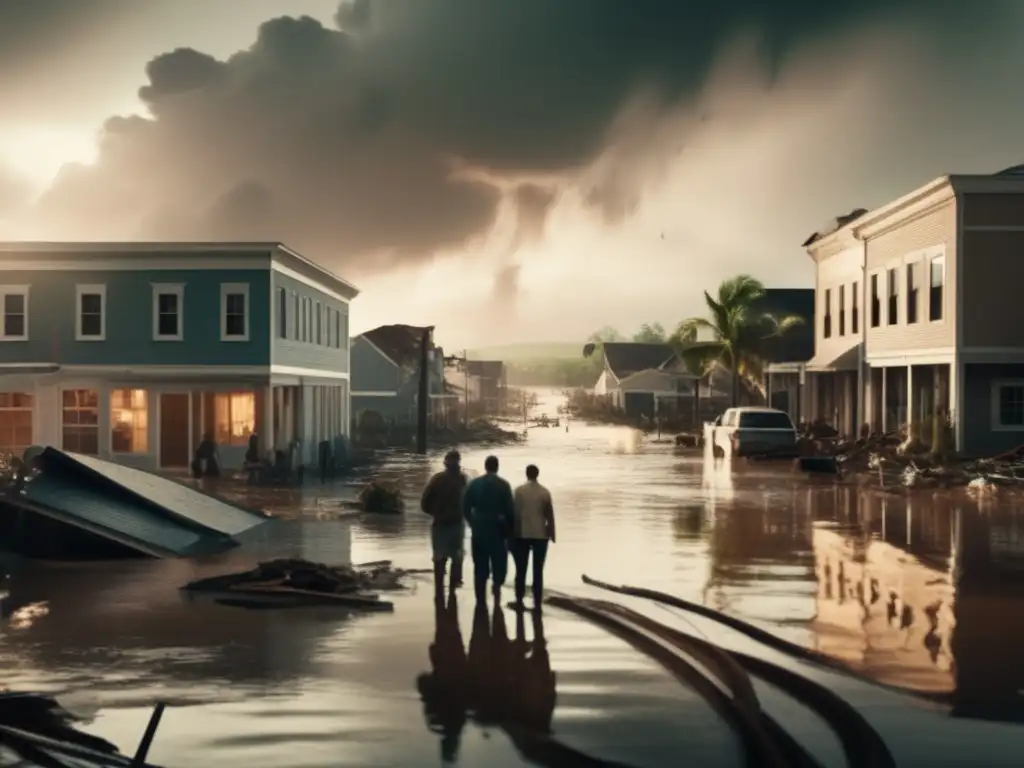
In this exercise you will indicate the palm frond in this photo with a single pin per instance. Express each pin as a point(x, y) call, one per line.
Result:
point(699, 358)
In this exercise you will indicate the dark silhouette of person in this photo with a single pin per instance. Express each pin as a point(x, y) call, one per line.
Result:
point(444, 690)
point(490, 654)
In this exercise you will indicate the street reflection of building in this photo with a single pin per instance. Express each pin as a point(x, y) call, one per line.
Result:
point(759, 551)
point(885, 597)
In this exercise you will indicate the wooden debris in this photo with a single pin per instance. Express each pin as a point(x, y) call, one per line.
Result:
point(300, 582)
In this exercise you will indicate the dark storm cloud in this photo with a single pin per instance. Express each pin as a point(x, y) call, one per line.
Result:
point(350, 142)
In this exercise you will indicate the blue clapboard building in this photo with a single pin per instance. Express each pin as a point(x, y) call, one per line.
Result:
point(134, 351)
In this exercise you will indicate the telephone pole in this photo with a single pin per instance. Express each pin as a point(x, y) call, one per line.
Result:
point(423, 401)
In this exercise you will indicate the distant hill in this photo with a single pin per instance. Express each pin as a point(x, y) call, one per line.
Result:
point(510, 353)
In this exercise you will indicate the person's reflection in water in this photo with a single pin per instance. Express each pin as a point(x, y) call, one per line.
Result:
point(533, 693)
point(444, 690)
point(490, 653)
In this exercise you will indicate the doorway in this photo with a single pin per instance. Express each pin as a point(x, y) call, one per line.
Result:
point(174, 431)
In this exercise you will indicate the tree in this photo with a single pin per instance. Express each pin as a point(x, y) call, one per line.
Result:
point(601, 335)
point(650, 333)
point(741, 332)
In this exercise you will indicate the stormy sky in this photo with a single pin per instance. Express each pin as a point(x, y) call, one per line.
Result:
point(505, 170)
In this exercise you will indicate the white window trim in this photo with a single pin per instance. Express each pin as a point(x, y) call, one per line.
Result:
point(997, 385)
point(227, 289)
point(168, 289)
point(13, 290)
point(929, 260)
point(901, 280)
point(88, 290)
point(882, 303)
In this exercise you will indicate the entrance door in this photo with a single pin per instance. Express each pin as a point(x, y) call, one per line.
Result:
point(174, 442)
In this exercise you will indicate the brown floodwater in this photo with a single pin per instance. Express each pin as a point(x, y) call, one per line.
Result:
point(875, 580)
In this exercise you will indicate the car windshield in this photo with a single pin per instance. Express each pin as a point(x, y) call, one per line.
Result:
point(765, 420)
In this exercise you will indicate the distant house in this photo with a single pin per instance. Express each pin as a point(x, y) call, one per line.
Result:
point(789, 353)
point(488, 380)
point(385, 375)
point(643, 379)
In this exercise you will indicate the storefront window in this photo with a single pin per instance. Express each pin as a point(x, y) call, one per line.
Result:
point(15, 423)
point(81, 421)
point(129, 421)
point(234, 417)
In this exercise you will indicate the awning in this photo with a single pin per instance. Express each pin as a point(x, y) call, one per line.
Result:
point(845, 361)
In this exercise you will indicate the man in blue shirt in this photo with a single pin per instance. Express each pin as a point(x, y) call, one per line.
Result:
point(489, 510)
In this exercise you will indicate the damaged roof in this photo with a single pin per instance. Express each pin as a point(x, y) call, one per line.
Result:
point(834, 226)
point(399, 343)
point(486, 369)
point(625, 357)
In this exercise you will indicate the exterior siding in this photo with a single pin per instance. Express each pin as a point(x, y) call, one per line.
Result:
point(293, 351)
point(52, 308)
point(993, 273)
point(842, 269)
point(980, 439)
point(371, 370)
point(936, 228)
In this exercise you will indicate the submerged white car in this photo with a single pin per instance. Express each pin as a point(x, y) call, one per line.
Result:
point(754, 432)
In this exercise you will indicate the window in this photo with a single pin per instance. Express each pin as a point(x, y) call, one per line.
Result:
point(1008, 405)
point(337, 330)
point(329, 326)
point(91, 312)
point(764, 420)
point(234, 416)
point(319, 323)
point(344, 330)
point(912, 293)
point(282, 313)
point(168, 303)
point(309, 320)
point(304, 334)
point(129, 421)
point(80, 421)
point(894, 295)
point(15, 423)
point(855, 308)
point(876, 303)
point(15, 312)
point(234, 308)
point(935, 292)
point(295, 316)
point(842, 310)
point(827, 330)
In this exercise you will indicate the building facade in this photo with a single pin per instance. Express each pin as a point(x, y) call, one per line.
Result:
point(134, 351)
point(934, 331)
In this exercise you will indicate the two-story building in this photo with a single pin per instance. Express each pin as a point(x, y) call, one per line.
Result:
point(134, 351)
point(940, 329)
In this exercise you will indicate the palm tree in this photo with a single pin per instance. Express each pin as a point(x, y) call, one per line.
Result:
point(741, 333)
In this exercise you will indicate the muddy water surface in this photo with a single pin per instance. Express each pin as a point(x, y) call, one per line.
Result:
point(865, 578)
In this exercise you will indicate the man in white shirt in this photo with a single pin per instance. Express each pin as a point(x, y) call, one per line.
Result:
point(534, 527)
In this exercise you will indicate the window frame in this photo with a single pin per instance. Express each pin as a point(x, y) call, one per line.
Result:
point(90, 289)
point(892, 297)
point(875, 292)
point(13, 290)
point(147, 409)
point(996, 417)
point(912, 289)
point(78, 408)
point(282, 313)
point(228, 396)
point(826, 320)
point(855, 308)
point(168, 289)
point(234, 289)
point(939, 258)
point(30, 410)
point(841, 294)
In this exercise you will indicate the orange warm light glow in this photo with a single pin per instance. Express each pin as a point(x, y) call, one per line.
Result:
point(129, 420)
point(234, 417)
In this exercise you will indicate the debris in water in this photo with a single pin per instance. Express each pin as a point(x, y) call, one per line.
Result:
point(382, 498)
point(301, 582)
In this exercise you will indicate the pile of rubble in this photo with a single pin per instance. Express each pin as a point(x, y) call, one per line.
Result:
point(354, 586)
point(381, 497)
point(894, 459)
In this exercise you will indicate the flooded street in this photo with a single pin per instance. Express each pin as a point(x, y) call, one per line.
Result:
point(865, 578)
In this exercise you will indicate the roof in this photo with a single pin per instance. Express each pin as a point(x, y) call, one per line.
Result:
point(398, 343)
point(834, 226)
point(486, 369)
point(797, 344)
point(625, 357)
point(96, 250)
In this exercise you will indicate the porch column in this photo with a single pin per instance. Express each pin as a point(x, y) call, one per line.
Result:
point(267, 441)
point(911, 419)
point(885, 400)
point(279, 417)
point(957, 377)
point(858, 400)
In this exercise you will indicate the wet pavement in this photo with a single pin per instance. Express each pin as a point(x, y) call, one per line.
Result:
point(866, 578)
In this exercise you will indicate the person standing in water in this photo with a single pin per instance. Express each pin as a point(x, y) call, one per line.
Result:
point(442, 500)
point(489, 510)
point(534, 528)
